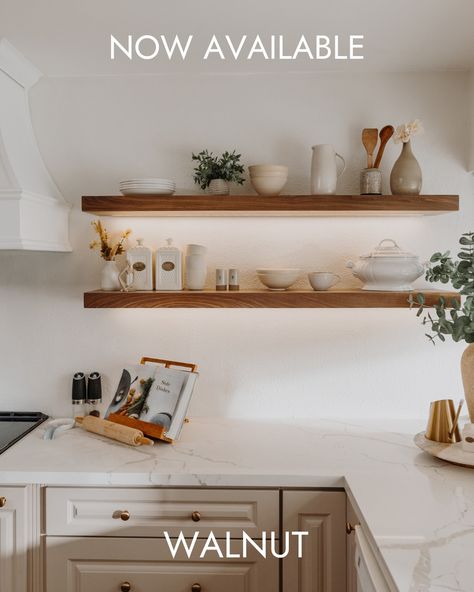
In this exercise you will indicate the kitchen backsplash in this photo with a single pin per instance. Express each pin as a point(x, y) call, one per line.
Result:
point(253, 363)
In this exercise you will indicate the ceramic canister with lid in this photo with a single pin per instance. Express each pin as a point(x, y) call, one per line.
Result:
point(196, 267)
point(140, 258)
point(168, 267)
point(387, 268)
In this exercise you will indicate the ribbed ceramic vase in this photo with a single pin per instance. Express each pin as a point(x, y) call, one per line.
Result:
point(218, 187)
point(406, 177)
point(467, 370)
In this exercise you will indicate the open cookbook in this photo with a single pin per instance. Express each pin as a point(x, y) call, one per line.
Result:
point(154, 397)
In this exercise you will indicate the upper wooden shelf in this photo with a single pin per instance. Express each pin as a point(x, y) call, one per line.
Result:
point(262, 299)
point(281, 205)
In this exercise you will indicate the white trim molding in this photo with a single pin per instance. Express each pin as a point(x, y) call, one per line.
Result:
point(33, 213)
point(471, 122)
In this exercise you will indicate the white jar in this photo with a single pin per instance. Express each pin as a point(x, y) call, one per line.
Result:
point(140, 258)
point(168, 268)
point(195, 268)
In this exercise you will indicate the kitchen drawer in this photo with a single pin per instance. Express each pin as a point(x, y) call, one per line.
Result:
point(150, 512)
point(108, 565)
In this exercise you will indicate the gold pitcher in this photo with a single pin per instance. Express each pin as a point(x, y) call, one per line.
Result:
point(442, 424)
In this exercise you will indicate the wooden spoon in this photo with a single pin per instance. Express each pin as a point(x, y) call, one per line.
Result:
point(385, 134)
point(370, 137)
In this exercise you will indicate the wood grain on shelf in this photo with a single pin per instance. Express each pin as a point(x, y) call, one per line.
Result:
point(256, 205)
point(260, 299)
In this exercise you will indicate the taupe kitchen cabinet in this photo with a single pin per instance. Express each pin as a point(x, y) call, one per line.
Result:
point(15, 538)
point(145, 565)
point(322, 567)
point(111, 539)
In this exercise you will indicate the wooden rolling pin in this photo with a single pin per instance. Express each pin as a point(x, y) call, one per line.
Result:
point(121, 433)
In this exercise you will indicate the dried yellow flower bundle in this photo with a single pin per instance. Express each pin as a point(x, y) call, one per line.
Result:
point(108, 251)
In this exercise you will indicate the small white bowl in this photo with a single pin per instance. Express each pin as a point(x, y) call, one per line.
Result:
point(273, 185)
point(278, 279)
point(323, 280)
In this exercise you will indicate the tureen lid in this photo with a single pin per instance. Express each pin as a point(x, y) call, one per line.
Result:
point(388, 248)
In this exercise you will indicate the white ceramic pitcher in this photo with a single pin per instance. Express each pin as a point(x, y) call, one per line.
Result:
point(324, 169)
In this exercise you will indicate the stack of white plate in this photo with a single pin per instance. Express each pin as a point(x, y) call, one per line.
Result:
point(147, 187)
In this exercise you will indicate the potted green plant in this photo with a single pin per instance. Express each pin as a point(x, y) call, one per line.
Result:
point(453, 319)
point(215, 173)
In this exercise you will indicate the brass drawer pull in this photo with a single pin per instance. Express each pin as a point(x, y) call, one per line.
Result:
point(195, 517)
point(122, 514)
point(196, 588)
point(350, 528)
point(125, 587)
point(3, 502)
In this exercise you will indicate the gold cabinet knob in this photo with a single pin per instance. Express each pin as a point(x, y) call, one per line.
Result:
point(196, 588)
point(125, 587)
point(3, 502)
point(350, 528)
point(122, 514)
point(195, 517)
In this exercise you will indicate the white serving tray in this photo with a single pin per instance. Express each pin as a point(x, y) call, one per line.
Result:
point(452, 453)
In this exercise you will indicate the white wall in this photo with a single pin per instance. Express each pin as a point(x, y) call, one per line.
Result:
point(254, 363)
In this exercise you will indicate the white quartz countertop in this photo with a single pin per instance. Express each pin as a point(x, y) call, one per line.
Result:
point(419, 511)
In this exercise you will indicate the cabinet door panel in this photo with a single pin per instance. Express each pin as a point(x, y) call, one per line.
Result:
point(13, 539)
point(96, 512)
point(104, 565)
point(322, 567)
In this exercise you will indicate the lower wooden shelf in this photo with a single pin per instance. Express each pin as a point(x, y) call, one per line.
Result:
point(262, 299)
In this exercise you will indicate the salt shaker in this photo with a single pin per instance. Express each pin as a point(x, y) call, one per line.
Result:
point(221, 279)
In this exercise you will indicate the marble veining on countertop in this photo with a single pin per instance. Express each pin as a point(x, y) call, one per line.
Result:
point(418, 510)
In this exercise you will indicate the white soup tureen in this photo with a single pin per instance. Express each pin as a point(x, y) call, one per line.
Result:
point(387, 268)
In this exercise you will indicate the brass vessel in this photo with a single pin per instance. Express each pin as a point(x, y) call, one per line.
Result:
point(442, 424)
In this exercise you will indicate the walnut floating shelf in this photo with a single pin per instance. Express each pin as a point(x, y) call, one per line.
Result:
point(261, 299)
point(281, 205)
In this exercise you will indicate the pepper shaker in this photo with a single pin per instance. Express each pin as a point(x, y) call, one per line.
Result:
point(234, 280)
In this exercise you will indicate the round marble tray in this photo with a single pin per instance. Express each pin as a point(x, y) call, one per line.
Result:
point(452, 453)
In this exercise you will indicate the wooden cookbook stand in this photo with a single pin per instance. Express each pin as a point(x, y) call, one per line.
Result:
point(150, 429)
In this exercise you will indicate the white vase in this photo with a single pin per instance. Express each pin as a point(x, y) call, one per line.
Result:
point(218, 187)
point(109, 279)
point(195, 267)
point(324, 169)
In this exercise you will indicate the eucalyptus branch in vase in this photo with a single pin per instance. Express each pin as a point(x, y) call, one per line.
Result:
point(454, 319)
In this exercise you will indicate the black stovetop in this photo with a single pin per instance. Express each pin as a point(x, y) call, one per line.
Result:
point(16, 424)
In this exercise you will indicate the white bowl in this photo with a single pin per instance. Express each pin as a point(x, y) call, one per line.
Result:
point(278, 279)
point(268, 185)
point(256, 169)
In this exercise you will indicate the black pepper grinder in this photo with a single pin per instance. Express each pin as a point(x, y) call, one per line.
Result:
point(94, 392)
point(79, 394)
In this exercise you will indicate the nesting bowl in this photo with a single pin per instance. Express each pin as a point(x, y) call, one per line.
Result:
point(268, 179)
point(278, 279)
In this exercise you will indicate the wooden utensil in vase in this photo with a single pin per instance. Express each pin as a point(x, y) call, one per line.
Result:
point(370, 137)
point(385, 134)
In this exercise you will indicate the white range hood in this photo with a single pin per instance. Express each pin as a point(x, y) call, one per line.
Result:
point(33, 214)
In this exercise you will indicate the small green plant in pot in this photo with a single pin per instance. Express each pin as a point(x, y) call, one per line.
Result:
point(452, 319)
point(215, 173)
